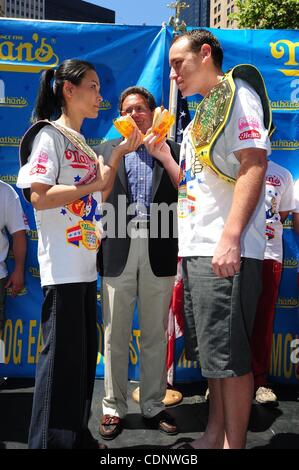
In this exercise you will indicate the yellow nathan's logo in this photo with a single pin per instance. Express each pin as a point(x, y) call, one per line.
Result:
point(285, 49)
point(32, 56)
point(13, 102)
point(287, 302)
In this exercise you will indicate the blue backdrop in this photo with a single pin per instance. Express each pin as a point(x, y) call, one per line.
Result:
point(124, 56)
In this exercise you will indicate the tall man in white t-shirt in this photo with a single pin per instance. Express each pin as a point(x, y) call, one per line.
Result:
point(221, 227)
point(279, 201)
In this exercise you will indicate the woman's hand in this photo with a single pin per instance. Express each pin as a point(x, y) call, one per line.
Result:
point(131, 143)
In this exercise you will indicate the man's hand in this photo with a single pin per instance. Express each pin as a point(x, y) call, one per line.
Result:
point(227, 257)
point(130, 144)
point(16, 282)
point(160, 150)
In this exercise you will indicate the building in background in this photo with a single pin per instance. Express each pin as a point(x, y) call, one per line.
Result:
point(219, 14)
point(61, 10)
point(198, 13)
point(1, 7)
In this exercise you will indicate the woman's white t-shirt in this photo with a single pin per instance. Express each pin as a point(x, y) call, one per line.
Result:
point(67, 235)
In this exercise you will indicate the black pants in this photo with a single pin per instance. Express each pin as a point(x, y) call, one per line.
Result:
point(66, 367)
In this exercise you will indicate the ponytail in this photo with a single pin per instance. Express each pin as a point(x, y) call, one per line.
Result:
point(46, 105)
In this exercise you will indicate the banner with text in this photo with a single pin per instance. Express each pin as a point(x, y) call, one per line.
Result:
point(125, 56)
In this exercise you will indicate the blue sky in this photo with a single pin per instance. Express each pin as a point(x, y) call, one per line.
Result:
point(136, 12)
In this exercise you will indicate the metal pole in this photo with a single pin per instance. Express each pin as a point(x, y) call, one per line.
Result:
point(178, 28)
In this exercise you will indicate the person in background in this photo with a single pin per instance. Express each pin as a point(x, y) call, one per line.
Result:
point(279, 201)
point(66, 181)
point(296, 228)
point(221, 222)
point(139, 266)
point(12, 220)
point(296, 210)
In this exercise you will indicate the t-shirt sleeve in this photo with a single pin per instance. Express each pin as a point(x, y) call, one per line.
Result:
point(246, 125)
point(296, 194)
point(44, 161)
point(287, 202)
point(15, 219)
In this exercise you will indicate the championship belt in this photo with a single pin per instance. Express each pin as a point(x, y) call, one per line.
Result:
point(213, 113)
point(28, 138)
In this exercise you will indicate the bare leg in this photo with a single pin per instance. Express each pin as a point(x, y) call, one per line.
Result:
point(237, 399)
point(213, 437)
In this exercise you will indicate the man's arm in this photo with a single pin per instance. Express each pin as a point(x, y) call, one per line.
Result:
point(16, 279)
point(250, 181)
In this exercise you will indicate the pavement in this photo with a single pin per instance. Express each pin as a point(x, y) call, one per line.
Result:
point(270, 427)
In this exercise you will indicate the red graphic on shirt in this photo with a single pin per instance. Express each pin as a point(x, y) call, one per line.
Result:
point(273, 180)
point(81, 161)
point(77, 207)
point(248, 121)
point(250, 134)
point(40, 169)
point(78, 160)
point(42, 157)
point(270, 232)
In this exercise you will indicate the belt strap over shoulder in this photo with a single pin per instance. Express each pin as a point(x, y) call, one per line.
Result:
point(214, 110)
point(26, 144)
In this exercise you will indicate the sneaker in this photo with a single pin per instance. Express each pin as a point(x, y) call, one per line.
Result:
point(265, 395)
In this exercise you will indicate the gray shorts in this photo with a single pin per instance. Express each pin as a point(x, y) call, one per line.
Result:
point(220, 313)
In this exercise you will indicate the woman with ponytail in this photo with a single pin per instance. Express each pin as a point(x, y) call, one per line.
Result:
point(67, 184)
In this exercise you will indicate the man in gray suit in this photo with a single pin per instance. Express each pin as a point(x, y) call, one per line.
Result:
point(138, 264)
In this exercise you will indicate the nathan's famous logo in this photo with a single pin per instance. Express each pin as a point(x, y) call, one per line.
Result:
point(13, 101)
point(288, 223)
point(30, 56)
point(287, 302)
point(34, 271)
point(105, 105)
point(283, 48)
point(32, 235)
point(290, 263)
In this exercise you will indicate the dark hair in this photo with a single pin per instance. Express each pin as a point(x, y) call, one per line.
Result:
point(198, 37)
point(50, 100)
point(137, 90)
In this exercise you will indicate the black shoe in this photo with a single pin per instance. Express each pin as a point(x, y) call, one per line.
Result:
point(163, 422)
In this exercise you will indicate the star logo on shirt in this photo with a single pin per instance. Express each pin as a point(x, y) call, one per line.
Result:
point(77, 178)
point(63, 211)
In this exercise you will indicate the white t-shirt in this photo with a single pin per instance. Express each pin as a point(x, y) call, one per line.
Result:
point(279, 197)
point(296, 196)
point(67, 241)
point(205, 199)
point(11, 218)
